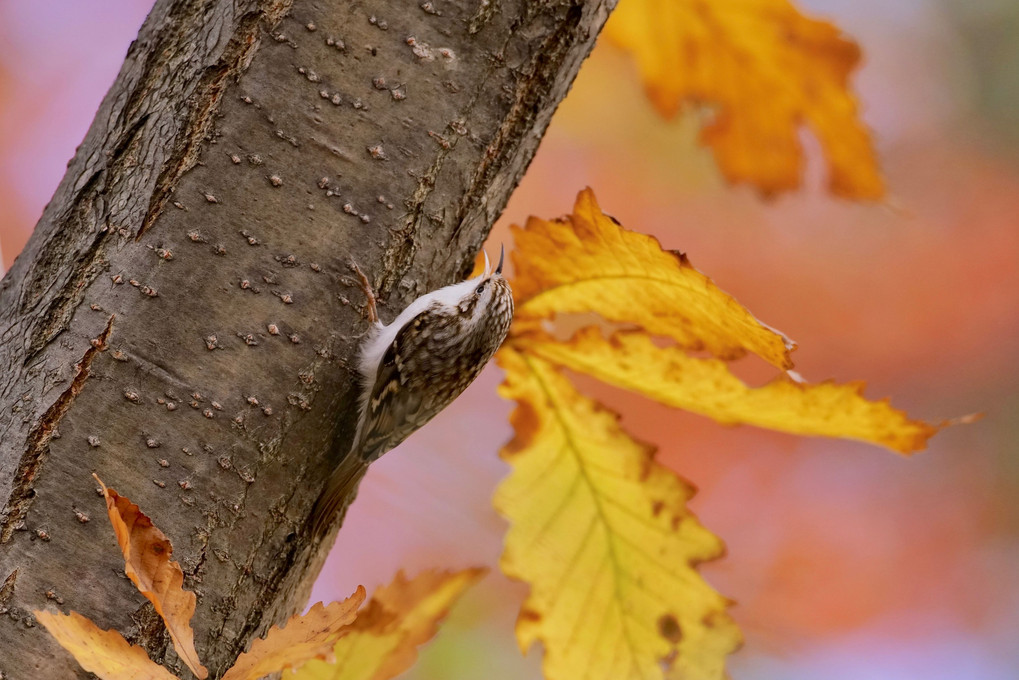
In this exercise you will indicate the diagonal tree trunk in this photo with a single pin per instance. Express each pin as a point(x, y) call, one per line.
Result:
point(178, 321)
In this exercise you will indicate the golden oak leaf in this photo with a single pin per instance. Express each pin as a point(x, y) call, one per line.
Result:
point(603, 536)
point(305, 637)
point(587, 262)
point(763, 69)
point(706, 386)
point(147, 562)
point(103, 652)
point(383, 641)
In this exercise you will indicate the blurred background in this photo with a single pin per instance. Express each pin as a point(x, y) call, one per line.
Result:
point(846, 561)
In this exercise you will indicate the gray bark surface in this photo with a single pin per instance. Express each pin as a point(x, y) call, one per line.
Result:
point(179, 322)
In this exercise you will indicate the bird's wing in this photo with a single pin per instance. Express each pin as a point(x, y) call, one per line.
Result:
point(394, 410)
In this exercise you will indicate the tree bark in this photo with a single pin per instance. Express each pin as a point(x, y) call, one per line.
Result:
point(179, 321)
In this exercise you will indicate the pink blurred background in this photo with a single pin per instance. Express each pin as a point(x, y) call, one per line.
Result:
point(846, 561)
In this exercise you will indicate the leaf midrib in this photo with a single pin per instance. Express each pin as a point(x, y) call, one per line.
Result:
point(617, 568)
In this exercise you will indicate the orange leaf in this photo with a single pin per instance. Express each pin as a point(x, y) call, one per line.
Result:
point(764, 70)
point(305, 637)
point(147, 552)
point(103, 652)
point(383, 641)
point(587, 262)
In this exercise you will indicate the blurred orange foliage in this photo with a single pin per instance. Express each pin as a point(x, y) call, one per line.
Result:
point(763, 69)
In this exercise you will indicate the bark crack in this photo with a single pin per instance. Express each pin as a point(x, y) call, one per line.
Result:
point(533, 90)
point(23, 492)
point(399, 258)
point(7, 590)
point(197, 125)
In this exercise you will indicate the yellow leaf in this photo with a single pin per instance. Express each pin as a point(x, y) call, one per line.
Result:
point(587, 262)
point(103, 652)
point(305, 637)
point(763, 69)
point(705, 386)
point(147, 552)
point(383, 641)
point(602, 534)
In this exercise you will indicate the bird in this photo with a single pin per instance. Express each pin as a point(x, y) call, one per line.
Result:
point(415, 366)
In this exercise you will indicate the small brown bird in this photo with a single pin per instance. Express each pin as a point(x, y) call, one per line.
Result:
point(412, 368)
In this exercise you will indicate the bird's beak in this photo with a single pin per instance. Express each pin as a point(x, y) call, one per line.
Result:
point(502, 255)
point(488, 264)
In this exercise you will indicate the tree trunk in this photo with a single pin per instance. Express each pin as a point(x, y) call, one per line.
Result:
point(179, 322)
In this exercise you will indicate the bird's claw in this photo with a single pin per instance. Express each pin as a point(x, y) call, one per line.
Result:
point(369, 294)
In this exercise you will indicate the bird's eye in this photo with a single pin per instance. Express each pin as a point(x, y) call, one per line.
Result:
point(480, 289)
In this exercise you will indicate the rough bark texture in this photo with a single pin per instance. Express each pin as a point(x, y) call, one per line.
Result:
point(178, 322)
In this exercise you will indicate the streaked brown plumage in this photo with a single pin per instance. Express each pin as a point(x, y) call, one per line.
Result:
point(414, 367)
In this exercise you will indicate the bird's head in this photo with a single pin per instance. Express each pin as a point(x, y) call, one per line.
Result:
point(486, 298)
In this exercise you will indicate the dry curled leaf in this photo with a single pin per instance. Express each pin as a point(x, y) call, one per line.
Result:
point(103, 652)
point(147, 562)
point(587, 262)
point(706, 386)
point(764, 70)
point(305, 637)
point(383, 641)
point(603, 536)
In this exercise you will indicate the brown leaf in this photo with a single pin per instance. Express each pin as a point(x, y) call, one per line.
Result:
point(383, 642)
point(147, 552)
point(305, 637)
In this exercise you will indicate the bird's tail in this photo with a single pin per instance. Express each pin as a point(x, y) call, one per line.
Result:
point(337, 495)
